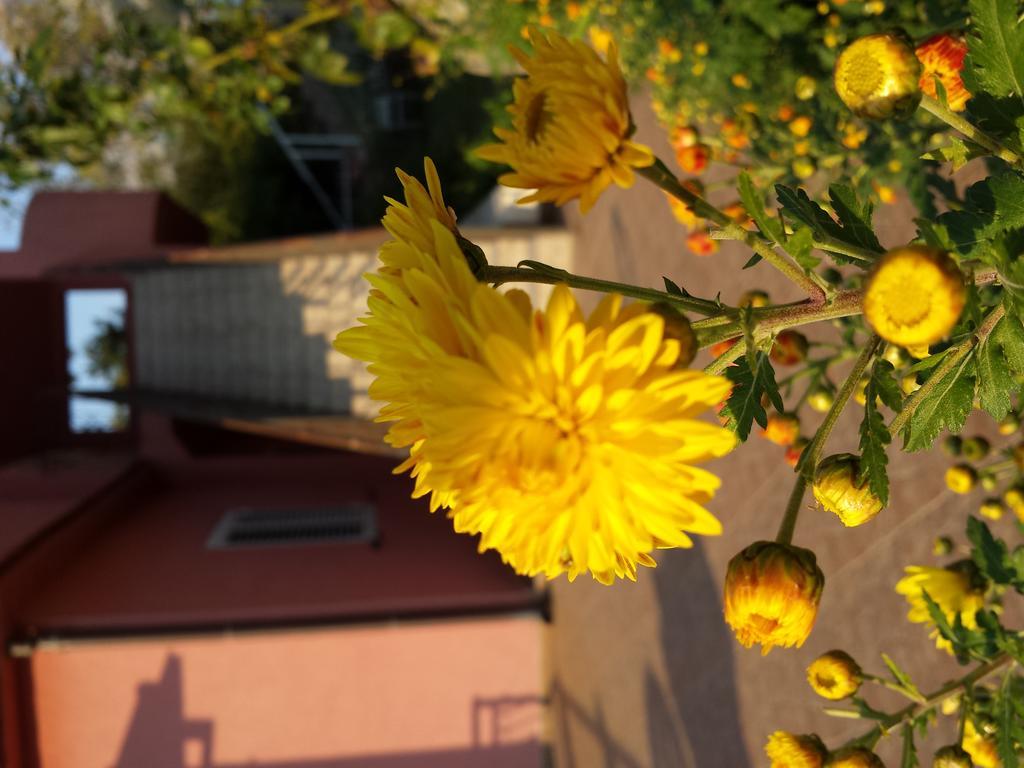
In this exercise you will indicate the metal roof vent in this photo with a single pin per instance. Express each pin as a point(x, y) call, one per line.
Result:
point(246, 527)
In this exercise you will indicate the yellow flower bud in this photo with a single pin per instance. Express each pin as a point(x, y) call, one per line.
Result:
point(877, 76)
point(782, 429)
point(805, 88)
point(677, 327)
point(1009, 425)
point(820, 400)
point(788, 750)
point(914, 296)
point(1014, 498)
point(834, 675)
point(961, 478)
point(803, 168)
point(981, 748)
point(837, 490)
point(991, 508)
point(772, 593)
point(854, 757)
point(951, 757)
point(754, 299)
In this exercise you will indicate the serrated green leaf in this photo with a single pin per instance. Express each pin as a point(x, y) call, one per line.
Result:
point(744, 407)
point(1005, 725)
point(874, 437)
point(944, 407)
point(908, 758)
point(801, 247)
point(754, 205)
point(957, 153)
point(901, 677)
point(673, 288)
point(991, 207)
point(854, 216)
point(996, 44)
point(934, 234)
point(995, 383)
point(1009, 335)
point(854, 226)
point(939, 618)
point(990, 554)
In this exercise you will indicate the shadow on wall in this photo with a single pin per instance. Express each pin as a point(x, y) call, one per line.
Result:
point(695, 722)
point(159, 736)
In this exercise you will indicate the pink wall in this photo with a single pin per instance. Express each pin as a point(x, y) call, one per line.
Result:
point(432, 695)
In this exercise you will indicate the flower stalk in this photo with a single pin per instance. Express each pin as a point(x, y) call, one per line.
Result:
point(968, 129)
point(730, 230)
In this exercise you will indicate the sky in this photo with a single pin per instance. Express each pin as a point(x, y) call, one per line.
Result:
point(82, 308)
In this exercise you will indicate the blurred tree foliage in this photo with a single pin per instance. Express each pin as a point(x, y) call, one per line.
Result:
point(179, 94)
point(107, 352)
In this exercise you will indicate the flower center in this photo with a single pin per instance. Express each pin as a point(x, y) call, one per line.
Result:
point(908, 302)
point(825, 681)
point(864, 75)
point(762, 625)
point(537, 117)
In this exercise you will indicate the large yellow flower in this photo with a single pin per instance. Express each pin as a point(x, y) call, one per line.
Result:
point(571, 124)
point(567, 442)
point(950, 588)
point(876, 76)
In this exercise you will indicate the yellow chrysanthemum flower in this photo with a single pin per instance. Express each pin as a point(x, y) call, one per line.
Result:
point(854, 757)
point(983, 750)
point(914, 296)
point(571, 124)
point(834, 675)
point(567, 442)
point(788, 750)
point(772, 593)
point(951, 589)
point(876, 76)
point(836, 488)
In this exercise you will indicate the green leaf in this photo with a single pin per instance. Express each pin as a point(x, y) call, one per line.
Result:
point(990, 554)
point(991, 207)
point(909, 756)
point(901, 677)
point(854, 217)
point(1005, 725)
point(1009, 336)
point(957, 153)
point(995, 383)
point(996, 43)
point(939, 619)
point(754, 205)
point(874, 437)
point(674, 289)
point(744, 404)
point(934, 234)
point(799, 206)
point(800, 247)
point(945, 407)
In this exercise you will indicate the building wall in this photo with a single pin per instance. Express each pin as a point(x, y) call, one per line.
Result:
point(461, 693)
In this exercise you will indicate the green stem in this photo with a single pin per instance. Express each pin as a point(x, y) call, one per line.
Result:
point(499, 275)
point(892, 686)
point(788, 525)
point(952, 359)
point(968, 129)
point(812, 453)
point(771, 319)
point(727, 358)
point(312, 18)
point(932, 700)
point(730, 230)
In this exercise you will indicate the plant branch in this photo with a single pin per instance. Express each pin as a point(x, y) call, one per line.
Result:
point(932, 700)
point(952, 359)
point(499, 275)
point(730, 230)
point(727, 358)
point(788, 525)
point(968, 129)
